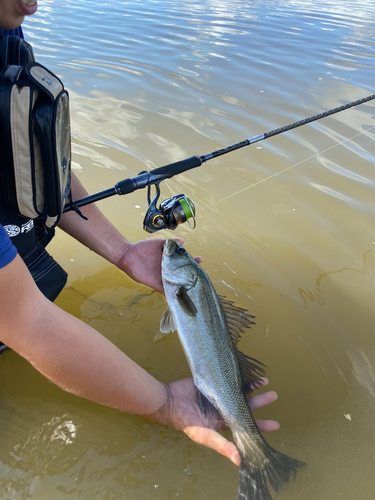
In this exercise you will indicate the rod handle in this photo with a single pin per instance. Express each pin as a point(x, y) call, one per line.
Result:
point(178, 167)
point(159, 174)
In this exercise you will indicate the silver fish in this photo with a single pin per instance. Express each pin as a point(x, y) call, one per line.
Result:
point(209, 327)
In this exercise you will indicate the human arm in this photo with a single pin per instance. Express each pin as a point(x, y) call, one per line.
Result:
point(93, 367)
point(140, 260)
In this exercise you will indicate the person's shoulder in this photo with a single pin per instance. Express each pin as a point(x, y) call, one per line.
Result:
point(7, 249)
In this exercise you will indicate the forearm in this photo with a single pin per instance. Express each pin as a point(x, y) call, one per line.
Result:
point(70, 353)
point(80, 360)
point(97, 233)
point(140, 261)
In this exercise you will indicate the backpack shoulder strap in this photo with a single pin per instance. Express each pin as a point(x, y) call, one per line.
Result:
point(35, 145)
point(15, 50)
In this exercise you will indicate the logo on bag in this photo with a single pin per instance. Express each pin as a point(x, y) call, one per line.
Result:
point(25, 228)
point(48, 81)
point(13, 230)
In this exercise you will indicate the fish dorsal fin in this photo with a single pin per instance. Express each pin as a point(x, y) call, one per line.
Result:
point(185, 302)
point(237, 318)
point(251, 371)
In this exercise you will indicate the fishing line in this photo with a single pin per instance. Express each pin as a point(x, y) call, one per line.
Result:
point(286, 169)
point(179, 208)
point(154, 177)
point(285, 128)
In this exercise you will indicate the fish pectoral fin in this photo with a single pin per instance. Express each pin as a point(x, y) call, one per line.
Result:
point(207, 408)
point(167, 324)
point(251, 371)
point(185, 302)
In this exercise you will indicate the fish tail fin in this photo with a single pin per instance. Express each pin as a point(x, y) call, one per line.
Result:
point(269, 467)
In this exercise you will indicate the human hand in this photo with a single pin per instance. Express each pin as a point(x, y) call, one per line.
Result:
point(142, 262)
point(182, 412)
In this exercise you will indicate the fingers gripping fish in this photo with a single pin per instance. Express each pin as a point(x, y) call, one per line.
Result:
point(209, 328)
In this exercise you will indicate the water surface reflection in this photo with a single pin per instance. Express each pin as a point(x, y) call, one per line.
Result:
point(286, 229)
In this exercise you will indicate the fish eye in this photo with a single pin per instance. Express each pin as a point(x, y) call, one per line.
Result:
point(180, 250)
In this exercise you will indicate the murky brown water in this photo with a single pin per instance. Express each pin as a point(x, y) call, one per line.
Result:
point(286, 228)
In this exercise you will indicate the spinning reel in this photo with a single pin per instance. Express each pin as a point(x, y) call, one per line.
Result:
point(171, 212)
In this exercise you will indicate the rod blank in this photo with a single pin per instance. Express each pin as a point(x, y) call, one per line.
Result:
point(159, 174)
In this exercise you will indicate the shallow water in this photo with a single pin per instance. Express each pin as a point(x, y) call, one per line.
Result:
point(285, 226)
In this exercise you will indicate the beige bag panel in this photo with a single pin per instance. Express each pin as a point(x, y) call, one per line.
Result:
point(20, 103)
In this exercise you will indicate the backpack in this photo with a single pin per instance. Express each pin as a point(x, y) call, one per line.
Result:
point(35, 143)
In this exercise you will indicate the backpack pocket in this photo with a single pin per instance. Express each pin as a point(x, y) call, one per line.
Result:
point(35, 164)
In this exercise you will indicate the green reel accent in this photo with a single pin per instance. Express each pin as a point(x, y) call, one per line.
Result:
point(188, 209)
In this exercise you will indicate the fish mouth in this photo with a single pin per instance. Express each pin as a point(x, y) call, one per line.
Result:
point(169, 247)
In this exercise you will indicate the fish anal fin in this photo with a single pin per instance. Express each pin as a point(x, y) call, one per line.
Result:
point(251, 370)
point(185, 302)
point(207, 408)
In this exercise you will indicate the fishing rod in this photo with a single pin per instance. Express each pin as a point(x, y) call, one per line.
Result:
point(180, 208)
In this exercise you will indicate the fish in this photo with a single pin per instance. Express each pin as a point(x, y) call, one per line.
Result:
point(209, 328)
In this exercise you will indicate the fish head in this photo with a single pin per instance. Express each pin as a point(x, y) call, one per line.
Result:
point(178, 266)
